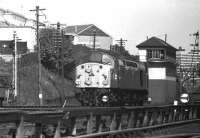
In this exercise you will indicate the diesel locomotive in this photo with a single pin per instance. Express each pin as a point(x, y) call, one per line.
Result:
point(108, 79)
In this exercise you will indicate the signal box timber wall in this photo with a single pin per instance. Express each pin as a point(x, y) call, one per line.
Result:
point(160, 58)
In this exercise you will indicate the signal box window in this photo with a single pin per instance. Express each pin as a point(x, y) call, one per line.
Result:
point(155, 54)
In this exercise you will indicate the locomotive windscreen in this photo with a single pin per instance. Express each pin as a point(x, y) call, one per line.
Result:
point(96, 57)
point(106, 59)
point(102, 58)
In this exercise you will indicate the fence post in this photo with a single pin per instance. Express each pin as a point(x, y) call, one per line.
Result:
point(90, 124)
point(113, 123)
point(195, 113)
point(38, 130)
point(159, 117)
point(190, 113)
point(131, 120)
point(146, 118)
point(57, 133)
point(20, 128)
point(73, 123)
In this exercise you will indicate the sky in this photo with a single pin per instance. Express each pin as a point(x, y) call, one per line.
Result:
point(132, 20)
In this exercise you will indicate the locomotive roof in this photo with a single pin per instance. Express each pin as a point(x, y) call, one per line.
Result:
point(82, 54)
point(122, 57)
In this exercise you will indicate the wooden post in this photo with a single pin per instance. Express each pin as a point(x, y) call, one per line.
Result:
point(119, 121)
point(57, 133)
point(38, 130)
point(180, 114)
point(90, 124)
point(174, 114)
point(153, 118)
point(113, 123)
point(137, 119)
point(20, 128)
point(73, 123)
point(190, 113)
point(170, 117)
point(159, 117)
point(195, 113)
point(131, 120)
point(165, 117)
point(146, 118)
point(99, 124)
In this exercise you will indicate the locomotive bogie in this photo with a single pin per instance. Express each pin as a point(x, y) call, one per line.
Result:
point(112, 97)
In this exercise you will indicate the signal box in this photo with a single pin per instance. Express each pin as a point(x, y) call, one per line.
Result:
point(160, 58)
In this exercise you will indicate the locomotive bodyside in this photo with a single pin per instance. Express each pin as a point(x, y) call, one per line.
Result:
point(132, 76)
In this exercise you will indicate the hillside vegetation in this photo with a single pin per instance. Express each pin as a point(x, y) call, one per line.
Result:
point(55, 90)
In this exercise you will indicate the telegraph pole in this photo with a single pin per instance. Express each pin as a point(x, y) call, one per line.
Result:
point(62, 61)
point(121, 42)
point(195, 50)
point(196, 43)
point(94, 39)
point(59, 47)
point(58, 41)
point(40, 94)
point(15, 61)
point(15, 64)
point(180, 49)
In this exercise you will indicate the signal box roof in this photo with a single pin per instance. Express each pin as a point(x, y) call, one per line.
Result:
point(155, 42)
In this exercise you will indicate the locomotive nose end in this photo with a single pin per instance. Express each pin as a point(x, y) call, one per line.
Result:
point(93, 75)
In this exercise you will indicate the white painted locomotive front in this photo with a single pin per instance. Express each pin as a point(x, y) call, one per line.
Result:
point(93, 75)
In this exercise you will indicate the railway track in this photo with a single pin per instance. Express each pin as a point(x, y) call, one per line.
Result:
point(96, 122)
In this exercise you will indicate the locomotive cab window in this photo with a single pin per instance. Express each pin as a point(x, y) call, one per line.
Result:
point(131, 64)
point(106, 59)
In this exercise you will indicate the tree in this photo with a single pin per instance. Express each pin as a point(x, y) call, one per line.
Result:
point(51, 57)
point(5, 76)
